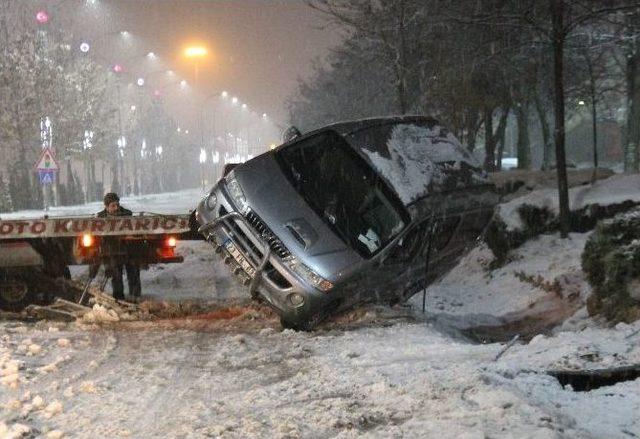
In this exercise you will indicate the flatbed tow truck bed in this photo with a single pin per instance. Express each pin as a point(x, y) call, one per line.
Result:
point(35, 253)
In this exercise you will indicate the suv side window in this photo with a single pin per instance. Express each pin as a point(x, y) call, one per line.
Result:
point(410, 245)
point(444, 231)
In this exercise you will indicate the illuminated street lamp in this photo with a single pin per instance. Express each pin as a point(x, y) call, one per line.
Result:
point(87, 142)
point(122, 143)
point(195, 53)
point(42, 17)
point(140, 82)
point(85, 47)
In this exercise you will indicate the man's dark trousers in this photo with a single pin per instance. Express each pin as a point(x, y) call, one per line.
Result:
point(133, 280)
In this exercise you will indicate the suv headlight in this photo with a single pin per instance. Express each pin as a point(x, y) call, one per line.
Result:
point(211, 201)
point(236, 192)
point(308, 274)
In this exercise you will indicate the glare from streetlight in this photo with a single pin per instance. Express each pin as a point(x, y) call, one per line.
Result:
point(234, 100)
point(85, 47)
point(203, 155)
point(124, 33)
point(42, 17)
point(183, 83)
point(140, 82)
point(195, 52)
point(117, 68)
point(580, 102)
point(264, 115)
point(133, 108)
point(224, 94)
point(244, 106)
point(151, 55)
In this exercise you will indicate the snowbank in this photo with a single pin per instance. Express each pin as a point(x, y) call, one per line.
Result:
point(472, 290)
point(612, 190)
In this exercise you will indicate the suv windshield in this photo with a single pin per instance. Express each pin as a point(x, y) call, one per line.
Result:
point(344, 190)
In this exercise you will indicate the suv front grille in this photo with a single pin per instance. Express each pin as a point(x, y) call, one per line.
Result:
point(265, 232)
point(253, 252)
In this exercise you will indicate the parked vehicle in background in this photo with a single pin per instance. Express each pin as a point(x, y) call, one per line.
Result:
point(369, 210)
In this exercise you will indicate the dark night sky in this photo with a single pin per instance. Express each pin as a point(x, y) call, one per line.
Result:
point(258, 47)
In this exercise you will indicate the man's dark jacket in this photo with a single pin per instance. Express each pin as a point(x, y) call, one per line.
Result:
point(113, 246)
point(121, 212)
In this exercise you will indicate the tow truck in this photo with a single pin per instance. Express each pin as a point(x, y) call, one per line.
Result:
point(35, 253)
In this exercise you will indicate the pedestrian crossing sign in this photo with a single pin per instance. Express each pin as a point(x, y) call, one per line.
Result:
point(46, 177)
point(47, 161)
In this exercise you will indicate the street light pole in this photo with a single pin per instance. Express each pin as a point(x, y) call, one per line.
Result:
point(203, 160)
point(196, 53)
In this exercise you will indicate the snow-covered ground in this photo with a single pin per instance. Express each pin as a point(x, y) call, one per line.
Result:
point(246, 378)
point(373, 372)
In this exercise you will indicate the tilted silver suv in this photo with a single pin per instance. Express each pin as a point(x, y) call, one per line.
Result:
point(370, 210)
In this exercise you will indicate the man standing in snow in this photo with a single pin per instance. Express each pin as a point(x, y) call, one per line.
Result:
point(116, 252)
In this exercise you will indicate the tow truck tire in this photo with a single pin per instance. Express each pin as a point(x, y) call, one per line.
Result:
point(15, 294)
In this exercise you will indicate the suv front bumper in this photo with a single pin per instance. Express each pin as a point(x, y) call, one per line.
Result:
point(255, 260)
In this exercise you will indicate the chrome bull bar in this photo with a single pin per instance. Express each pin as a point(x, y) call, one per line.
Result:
point(206, 229)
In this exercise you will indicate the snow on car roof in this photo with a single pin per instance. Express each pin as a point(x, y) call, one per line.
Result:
point(410, 153)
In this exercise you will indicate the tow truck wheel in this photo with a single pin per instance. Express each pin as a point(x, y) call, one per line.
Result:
point(14, 294)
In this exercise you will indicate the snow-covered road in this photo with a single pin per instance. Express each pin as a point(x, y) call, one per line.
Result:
point(245, 378)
